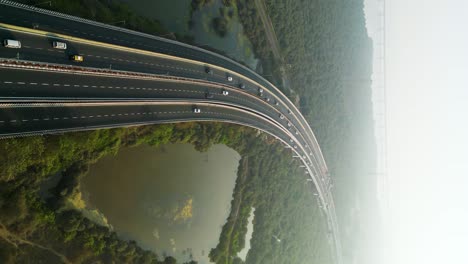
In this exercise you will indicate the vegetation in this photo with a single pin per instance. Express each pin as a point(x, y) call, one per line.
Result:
point(327, 56)
point(55, 230)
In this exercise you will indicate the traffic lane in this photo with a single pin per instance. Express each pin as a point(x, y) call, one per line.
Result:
point(38, 47)
point(15, 85)
point(14, 120)
point(19, 83)
point(32, 19)
point(65, 26)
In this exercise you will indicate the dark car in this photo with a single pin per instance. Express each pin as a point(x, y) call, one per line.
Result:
point(208, 70)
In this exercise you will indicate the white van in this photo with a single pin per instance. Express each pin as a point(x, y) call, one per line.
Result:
point(10, 43)
point(59, 45)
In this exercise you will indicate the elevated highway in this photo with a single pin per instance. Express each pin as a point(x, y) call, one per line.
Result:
point(57, 96)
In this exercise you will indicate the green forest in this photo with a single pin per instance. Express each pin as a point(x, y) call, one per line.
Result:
point(53, 230)
point(327, 58)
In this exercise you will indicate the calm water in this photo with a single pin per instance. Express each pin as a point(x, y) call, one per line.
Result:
point(175, 16)
point(171, 199)
point(248, 236)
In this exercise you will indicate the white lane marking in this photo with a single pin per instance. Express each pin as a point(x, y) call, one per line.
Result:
point(98, 116)
point(56, 84)
point(20, 82)
point(85, 85)
point(38, 48)
point(83, 116)
point(45, 119)
point(65, 118)
point(33, 83)
point(56, 118)
point(75, 117)
point(44, 84)
point(13, 121)
point(26, 46)
point(35, 119)
point(66, 85)
point(76, 85)
point(25, 120)
point(91, 116)
point(7, 82)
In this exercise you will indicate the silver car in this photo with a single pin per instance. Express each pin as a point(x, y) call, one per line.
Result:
point(59, 45)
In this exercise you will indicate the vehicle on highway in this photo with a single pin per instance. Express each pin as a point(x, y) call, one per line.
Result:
point(281, 116)
point(11, 43)
point(208, 70)
point(196, 110)
point(260, 90)
point(225, 92)
point(297, 132)
point(276, 102)
point(289, 111)
point(267, 99)
point(209, 95)
point(59, 45)
point(229, 78)
point(77, 58)
point(241, 85)
point(289, 124)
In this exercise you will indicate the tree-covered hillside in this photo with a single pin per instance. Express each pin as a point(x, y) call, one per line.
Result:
point(326, 57)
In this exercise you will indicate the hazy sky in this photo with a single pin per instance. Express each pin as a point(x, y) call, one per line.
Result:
point(427, 111)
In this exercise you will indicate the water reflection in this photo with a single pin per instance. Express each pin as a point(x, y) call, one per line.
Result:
point(175, 16)
point(172, 199)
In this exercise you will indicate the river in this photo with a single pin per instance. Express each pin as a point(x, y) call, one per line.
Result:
point(170, 199)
